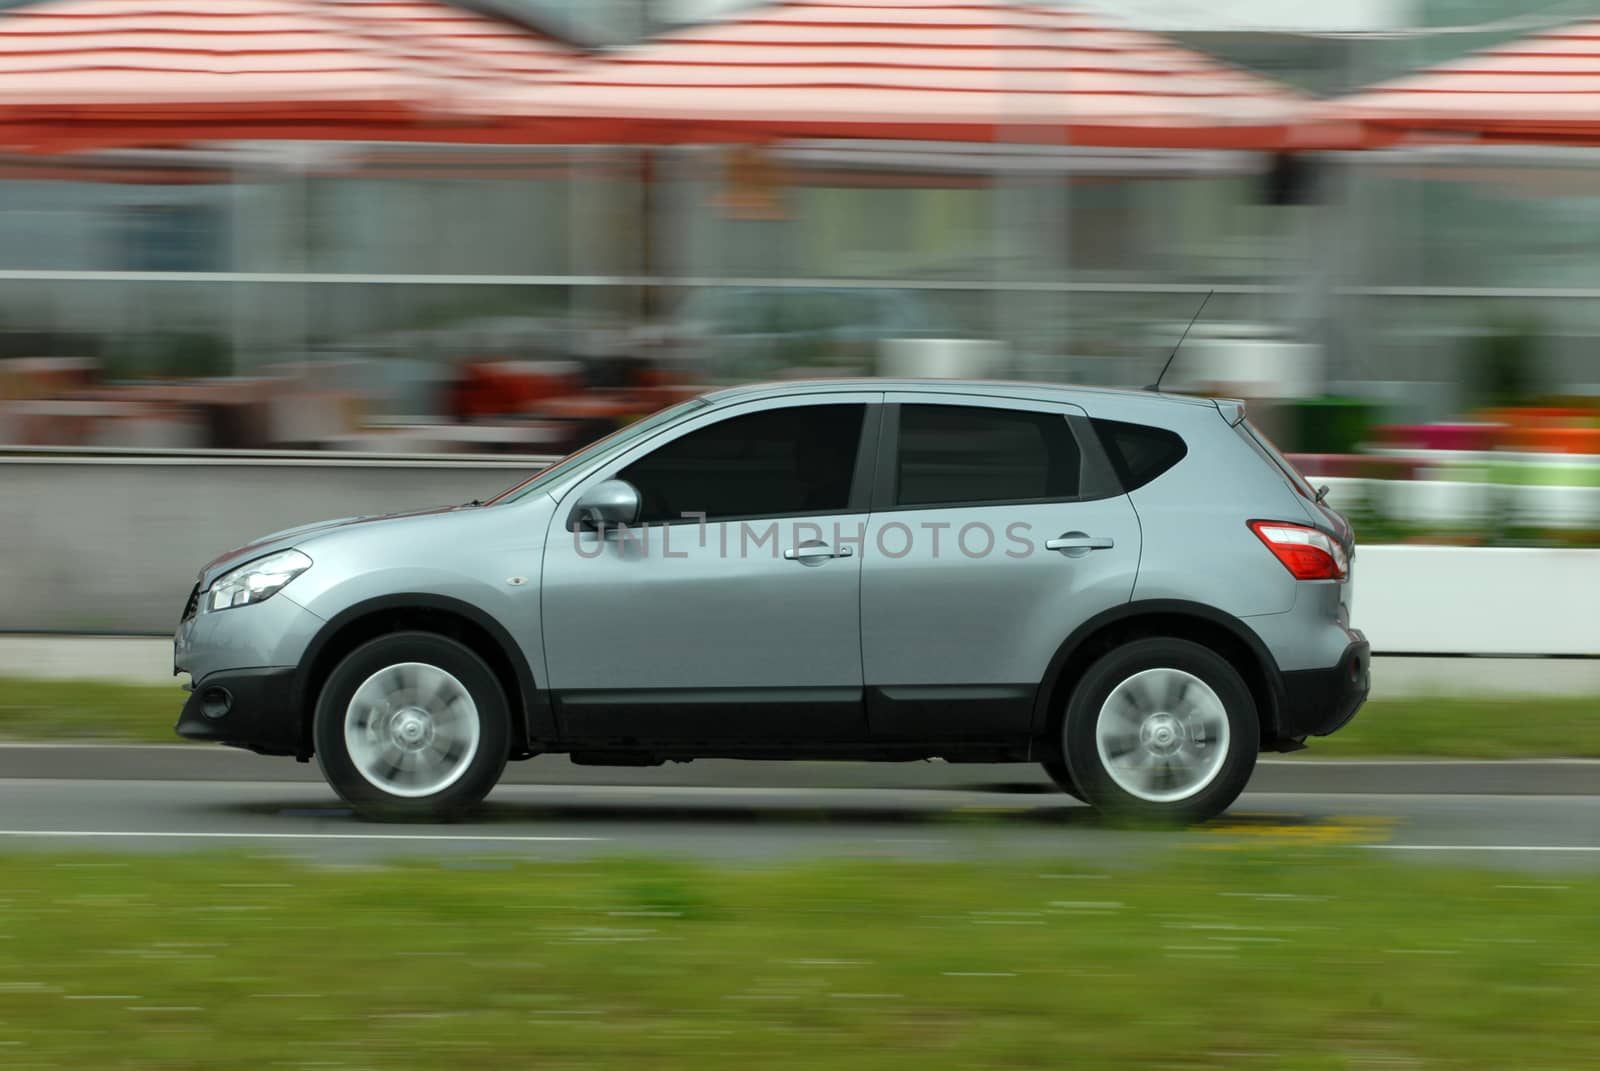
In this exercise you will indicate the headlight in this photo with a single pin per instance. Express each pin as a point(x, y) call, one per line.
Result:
point(256, 581)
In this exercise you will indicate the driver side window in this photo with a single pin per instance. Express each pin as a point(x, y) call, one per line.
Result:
point(792, 460)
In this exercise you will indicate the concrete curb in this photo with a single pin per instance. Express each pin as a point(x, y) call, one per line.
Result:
point(147, 660)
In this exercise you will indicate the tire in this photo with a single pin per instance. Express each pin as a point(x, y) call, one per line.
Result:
point(412, 726)
point(1057, 769)
point(1161, 730)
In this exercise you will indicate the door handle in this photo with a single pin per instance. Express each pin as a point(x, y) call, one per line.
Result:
point(1077, 544)
point(814, 552)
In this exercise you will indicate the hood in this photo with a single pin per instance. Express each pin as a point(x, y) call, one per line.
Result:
point(299, 536)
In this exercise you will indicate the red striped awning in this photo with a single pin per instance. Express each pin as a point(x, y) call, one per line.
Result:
point(452, 41)
point(967, 70)
point(1543, 88)
point(76, 73)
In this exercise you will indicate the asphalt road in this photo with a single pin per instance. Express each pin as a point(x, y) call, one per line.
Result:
point(1301, 773)
point(779, 811)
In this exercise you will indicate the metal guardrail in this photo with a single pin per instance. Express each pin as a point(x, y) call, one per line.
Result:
point(1050, 286)
point(98, 542)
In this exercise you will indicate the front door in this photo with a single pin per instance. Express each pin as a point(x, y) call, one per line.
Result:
point(731, 611)
point(998, 528)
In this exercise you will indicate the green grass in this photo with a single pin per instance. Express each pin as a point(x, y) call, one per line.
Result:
point(1487, 728)
point(88, 710)
point(1435, 727)
point(1213, 959)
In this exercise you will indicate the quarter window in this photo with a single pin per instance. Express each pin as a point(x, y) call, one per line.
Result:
point(1138, 452)
point(967, 455)
point(792, 460)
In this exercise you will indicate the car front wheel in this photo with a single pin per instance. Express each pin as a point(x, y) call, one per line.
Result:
point(412, 725)
point(1161, 729)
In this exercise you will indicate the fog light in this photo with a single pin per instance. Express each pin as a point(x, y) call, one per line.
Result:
point(215, 702)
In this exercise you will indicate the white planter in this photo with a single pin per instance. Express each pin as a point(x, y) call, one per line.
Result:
point(1556, 506)
point(1446, 503)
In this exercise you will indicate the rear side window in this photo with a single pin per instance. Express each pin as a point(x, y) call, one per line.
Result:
point(1139, 453)
point(971, 455)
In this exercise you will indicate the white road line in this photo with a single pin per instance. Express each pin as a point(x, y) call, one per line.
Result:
point(214, 835)
point(1348, 763)
point(1585, 799)
point(109, 745)
point(1484, 847)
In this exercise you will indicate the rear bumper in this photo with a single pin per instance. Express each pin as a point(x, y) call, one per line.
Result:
point(1317, 702)
point(248, 708)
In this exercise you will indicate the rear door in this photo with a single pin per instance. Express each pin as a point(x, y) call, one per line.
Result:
point(997, 528)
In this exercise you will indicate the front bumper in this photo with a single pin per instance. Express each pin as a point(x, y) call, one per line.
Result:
point(271, 633)
point(1317, 702)
point(248, 708)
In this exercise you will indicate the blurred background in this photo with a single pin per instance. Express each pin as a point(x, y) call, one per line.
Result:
point(500, 228)
point(267, 262)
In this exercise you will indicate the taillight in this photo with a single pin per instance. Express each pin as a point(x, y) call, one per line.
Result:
point(1308, 554)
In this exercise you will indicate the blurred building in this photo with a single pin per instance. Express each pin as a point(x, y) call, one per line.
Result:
point(1372, 272)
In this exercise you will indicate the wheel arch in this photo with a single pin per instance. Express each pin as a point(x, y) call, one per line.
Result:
point(425, 612)
point(1220, 631)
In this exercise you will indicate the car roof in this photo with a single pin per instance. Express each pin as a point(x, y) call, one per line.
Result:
point(993, 388)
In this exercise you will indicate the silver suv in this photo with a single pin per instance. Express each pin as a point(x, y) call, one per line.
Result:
point(1133, 589)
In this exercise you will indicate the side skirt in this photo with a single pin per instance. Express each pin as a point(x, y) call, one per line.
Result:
point(968, 723)
point(749, 715)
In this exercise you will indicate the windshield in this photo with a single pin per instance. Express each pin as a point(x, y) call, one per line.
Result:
point(596, 451)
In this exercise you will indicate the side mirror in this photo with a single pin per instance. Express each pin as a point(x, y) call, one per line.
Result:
point(607, 504)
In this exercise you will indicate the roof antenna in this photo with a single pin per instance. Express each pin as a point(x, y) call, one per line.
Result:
point(1156, 386)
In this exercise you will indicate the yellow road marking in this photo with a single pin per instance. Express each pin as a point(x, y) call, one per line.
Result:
point(1273, 829)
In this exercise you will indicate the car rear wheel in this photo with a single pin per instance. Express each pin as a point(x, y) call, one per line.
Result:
point(1161, 729)
point(412, 725)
